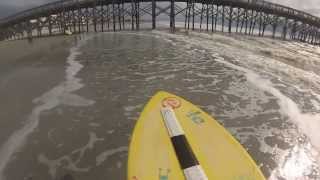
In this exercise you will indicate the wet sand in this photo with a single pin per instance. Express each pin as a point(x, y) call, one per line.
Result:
point(27, 70)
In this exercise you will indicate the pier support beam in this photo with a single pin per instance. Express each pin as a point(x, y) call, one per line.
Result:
point(172, 15)
point(113, 16)
point(132, 14)
point(50, 25)
point(284, 31)
point(102, 17)
point(207, 14)
point(230, 19)
point(87, 19)
point(119, 17)
point(201, 16)
point(223, 16)
point(153, 14)
point(79, 19)
point(123, 14)
point(137, 9)
point(94, 12)
point(193, 14)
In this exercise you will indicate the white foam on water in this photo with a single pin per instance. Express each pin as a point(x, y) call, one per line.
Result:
point(66, 161)
point(94, 124)
point(307, 123)
point(131, 108)
point(296, 163)
point(106, 154)
point(111, 131)
point(54, 164)
point(58, 95)
point(119, 164)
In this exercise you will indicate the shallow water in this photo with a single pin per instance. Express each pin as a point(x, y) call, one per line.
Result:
point(70, 106)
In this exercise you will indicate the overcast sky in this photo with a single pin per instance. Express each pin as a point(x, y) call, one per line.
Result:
point(8, 7)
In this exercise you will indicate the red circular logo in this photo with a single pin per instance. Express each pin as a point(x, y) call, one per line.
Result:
point(171, 102)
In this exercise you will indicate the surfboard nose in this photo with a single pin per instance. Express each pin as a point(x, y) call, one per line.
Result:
point(172, 134)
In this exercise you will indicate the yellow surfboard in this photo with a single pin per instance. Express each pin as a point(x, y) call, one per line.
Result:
point(175, 140)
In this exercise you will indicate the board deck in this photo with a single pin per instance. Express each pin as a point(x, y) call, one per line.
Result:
point(152, 155)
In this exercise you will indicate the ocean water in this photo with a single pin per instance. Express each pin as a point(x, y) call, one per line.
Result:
point(69, 104)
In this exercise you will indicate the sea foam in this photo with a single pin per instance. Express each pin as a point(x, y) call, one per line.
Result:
point(251, 64)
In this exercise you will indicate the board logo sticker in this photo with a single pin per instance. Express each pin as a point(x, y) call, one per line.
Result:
point(134, 178)
point(164, 174)
point(195, 117)
point(171, 102)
